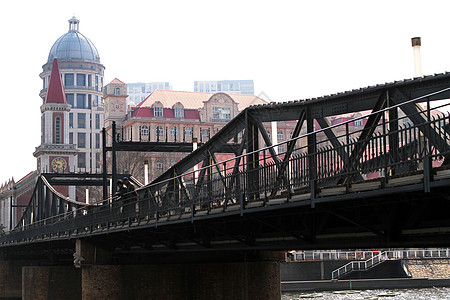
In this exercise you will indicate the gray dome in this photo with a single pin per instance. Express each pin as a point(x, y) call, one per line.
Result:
point(74, 46)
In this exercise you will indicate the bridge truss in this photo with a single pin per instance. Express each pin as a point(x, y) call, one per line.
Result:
point(379, 184)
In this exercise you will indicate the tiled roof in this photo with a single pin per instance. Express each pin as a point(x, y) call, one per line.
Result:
point(55, 91)
point(115, 80)
point(194, 100)
point(26, 176)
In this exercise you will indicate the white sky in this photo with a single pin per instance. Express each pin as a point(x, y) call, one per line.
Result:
point(291, 49)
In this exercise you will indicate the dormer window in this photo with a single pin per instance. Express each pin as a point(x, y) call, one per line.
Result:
point(179, 112)
point(117, 91)
point(178, 109)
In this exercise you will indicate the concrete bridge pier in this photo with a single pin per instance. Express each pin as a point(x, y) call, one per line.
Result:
point(245, 280)
point(255, 279)
point(10, 279)
point(51, 282)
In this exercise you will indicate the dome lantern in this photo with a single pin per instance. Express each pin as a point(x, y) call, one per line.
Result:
point(74, 24)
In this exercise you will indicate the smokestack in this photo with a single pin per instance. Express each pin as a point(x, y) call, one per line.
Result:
point(416, 43)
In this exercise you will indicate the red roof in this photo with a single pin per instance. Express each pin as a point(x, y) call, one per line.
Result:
point(115, 80)
point(55, 91)
point(147, 112)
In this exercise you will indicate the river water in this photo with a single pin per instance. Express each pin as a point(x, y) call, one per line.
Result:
point(422, 294)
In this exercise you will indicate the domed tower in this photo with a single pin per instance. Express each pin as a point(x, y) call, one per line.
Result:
point(82, 79)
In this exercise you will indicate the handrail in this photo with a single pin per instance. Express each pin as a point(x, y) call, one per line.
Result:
point(359, 265)
point(365, 254)
point(389, 255)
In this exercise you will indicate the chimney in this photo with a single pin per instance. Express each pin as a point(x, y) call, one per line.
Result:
point(416, 43)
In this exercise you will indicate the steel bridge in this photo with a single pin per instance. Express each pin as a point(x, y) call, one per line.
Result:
point(379, 179)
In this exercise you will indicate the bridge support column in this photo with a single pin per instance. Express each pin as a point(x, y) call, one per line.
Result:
point(10, 279)
point(237, 280)
point(51, 282)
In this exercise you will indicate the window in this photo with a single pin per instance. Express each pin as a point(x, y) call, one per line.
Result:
point(70, 120)
point(188, 132)
point(96, 82)
point(89, 83)
point(117, 91)
point(81, 140)
point(89, 102)
point(280, 136)
point(221, 113)
point(81, 101)
point(268, 133)
point(179, 112)
point(69, 98)
point(144, 130)
point(70, 137)
point(81, 160)
point(173, 131)
point(358, 122)
point(69, 79)
point(205, 132)
point(81, 79)
point(97, 121)
point(81, 120)
point(159, 131)
point(96, 101)
point(159, 165)
point(158, 111)
point(97, 141)
point(57, 130)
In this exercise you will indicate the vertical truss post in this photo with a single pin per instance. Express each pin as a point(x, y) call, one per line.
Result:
point(393, 133)
point(252, 159)
point(114, 159)
point(104, 166)
point(40, 201)
point(312, 160)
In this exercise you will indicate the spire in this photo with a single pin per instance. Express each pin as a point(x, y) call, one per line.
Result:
point(55, 91)
point(74, 24)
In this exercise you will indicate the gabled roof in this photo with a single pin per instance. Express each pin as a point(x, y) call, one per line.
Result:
point(115, 80)
point(194, 100)
point(55, 91)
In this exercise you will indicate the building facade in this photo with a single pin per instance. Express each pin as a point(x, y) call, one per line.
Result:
point(245, 87)
point(82, 79)
point(173, 116)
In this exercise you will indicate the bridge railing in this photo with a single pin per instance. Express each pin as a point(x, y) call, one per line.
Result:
point(313, 165)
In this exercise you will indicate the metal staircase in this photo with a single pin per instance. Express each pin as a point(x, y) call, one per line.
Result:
point(361, 265)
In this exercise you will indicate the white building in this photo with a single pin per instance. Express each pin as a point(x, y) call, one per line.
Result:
point(137, 92)
point(245, 87)
point(82, 79)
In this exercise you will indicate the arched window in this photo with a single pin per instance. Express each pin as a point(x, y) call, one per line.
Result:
point(173, 131)
point(57, 130)
point(178, 110)
point(158, 110)
point(280, 136)
point(188, 132)
point(117, 91)
point(144, 130)
point(159, 131)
